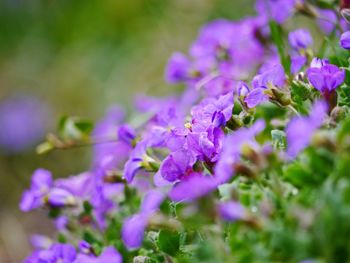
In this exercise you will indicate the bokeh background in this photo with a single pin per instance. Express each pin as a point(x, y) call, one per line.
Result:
point(79, 58)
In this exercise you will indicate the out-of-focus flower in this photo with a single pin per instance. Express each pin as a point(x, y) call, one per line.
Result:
point(345, 40)
point(230, 155)
point(327, 20)
point(278, 10)
point(23, 121)
point(297, 62)
point(300, 129)
point(231, 211)
point(178, 68)
point(176, 165)
point(192, 187)
point(134, 227)
point(300, 39)
point(41, 183)
point(64, 253)
point(272, 75)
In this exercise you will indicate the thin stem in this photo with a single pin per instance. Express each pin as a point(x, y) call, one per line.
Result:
point(293, 110)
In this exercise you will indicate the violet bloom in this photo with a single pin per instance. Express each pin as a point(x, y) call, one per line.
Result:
point(64, 253)
point(109, 255)
point(135, 162)
point(206, 145)
point(230, 155)
point(326, 78)
point(23, 122)
point(300, 39)
point(242, 89)
point(59, 197)
point(212, 111)
point(175, 166)
point(231, 211)
point(192, 187)
point(177, 69)
point(271, 75)
point(41, 183)
point(297, 62)
point(112, 154)
point(300, 129)
point(133, 229)
point(327, 20)
point(278, 10)
point(345, 40)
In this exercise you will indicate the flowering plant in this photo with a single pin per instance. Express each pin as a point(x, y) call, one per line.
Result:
point(248, 164)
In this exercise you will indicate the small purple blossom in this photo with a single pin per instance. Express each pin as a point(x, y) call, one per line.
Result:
point(133, 229)
point(230, 155)
point(300, 129)
point(178, 68)
point(345, 40)
point(271, 75)
point(300, 39)
point(231, 211)
point(278, 10)
point(41, 184)
point(193, 187)
point(297, 62)
point(23, 121)
point(325, 77)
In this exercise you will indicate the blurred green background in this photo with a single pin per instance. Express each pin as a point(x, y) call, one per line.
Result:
point(79, 57)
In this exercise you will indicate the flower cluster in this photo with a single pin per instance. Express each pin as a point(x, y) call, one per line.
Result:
point(238, 159)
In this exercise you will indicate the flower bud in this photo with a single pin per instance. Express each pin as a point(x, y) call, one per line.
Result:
point(242, 89)
point(345, 40)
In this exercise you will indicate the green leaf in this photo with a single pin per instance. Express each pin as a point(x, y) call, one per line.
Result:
point(74, 128)
point(169, 242)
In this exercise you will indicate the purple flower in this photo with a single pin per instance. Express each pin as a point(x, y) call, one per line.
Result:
point(231, 152)
point(242, 89)
point(23, 123)
point(80, 185)
point(300, 129)
point(270, 75)
point(176, 165)
point(192, 187)
point(109, 255)
point(40, 242)
point(231, 211)
point(135, 162)
point(126, 133)
point(133, 229)
point(113, 153)
point(345, 40)
point(278, 10)
point(178, 68)
point(297, 63)
point(327, 21)
point(256, 97)
point(60, 197)
point(206, 145)
point(64, 253)
point(212, 112)
point(326, 78)
point(41, 184)
point(300, 39)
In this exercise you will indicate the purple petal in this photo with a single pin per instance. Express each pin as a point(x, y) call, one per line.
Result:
point(133, 231)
